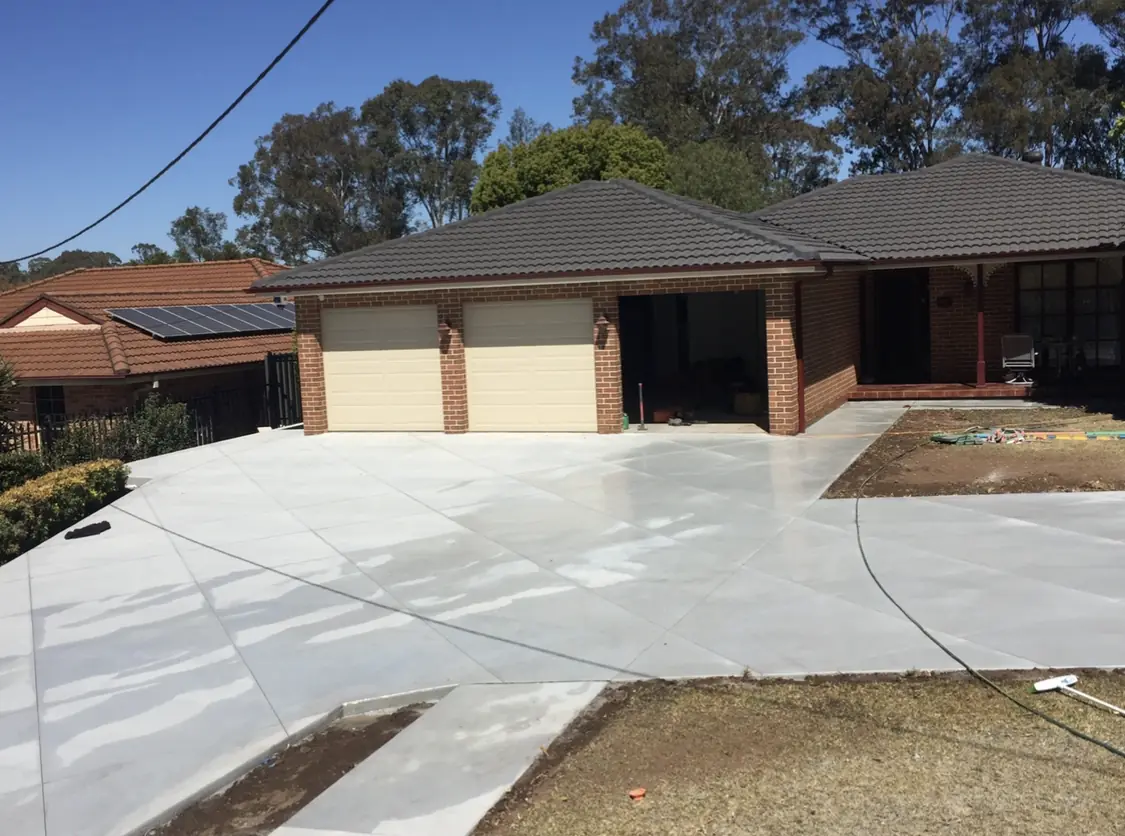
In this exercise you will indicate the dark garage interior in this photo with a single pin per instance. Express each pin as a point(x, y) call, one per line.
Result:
point(700, 356)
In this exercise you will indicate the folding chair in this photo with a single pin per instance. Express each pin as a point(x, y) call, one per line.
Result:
point(1018, 353)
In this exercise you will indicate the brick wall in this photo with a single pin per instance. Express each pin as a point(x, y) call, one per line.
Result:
point(953, 327)
point(830, 320)
point(98, 398)
point(782, 363)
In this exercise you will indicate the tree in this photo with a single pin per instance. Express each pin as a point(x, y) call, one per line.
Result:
point(1109, 17)
point(896, 98)
point(1031, 88)
point(199, 235)
point(522, 128)
point(150, 254)
point(42, 268)
point(597, 151)
point(440, 126)
point(694, 70)
point(319, 185)
point(718, 173)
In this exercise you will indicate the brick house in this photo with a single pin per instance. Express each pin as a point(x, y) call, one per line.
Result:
point(79, 346)
point(546, 315)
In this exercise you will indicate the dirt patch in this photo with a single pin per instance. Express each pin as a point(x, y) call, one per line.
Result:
point(878, 756)
point(912, 465)
point(272, 793)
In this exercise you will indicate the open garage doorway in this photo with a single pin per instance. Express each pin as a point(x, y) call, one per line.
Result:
point(700, 356)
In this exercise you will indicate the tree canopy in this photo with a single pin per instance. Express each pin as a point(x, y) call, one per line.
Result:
point(696, 70)
point(319, 185)
point(438, 128)
point(597, 151)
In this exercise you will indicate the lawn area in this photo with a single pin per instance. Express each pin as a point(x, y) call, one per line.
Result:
point(910, 755)
point(916, 466)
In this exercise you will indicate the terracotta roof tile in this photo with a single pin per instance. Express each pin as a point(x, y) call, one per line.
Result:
point(57, 353)
point(112, 349)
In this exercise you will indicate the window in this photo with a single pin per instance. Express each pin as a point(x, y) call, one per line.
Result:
point(1077, 303)
point(50, 403)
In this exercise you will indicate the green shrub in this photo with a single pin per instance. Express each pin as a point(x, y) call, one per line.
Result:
point(156, 427)
point(19, 467)
point(41, 508)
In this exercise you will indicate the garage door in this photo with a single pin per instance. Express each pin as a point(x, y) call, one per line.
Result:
point(382, 369)
point(530, 365)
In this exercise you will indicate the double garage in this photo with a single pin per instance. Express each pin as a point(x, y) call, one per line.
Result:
point(528, 366)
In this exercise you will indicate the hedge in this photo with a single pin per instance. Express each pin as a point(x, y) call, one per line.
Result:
point(19, 467)
point(41, 508)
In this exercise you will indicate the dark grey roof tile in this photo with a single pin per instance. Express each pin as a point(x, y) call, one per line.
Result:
point(974, 205)
point(593, 226)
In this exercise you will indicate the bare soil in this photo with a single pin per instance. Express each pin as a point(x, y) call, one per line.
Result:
point(912, 465)
point(268, 796)
point(877, 756)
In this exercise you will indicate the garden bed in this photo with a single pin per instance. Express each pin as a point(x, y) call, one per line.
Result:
point(849, 755)
point(272, 793)
point(906, 463)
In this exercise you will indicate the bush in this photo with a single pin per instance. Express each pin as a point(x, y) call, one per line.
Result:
point(41, 508)
point(19, 467)
point(155, 427)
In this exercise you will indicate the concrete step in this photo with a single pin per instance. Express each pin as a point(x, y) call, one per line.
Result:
point(445, 771)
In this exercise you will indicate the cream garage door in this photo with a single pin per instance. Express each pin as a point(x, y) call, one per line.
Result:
point(530, 365)
point(381, 368)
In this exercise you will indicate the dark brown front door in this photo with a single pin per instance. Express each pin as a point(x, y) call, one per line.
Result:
point(900, 338)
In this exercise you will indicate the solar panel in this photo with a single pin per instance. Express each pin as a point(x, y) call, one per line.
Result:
point(190, 321)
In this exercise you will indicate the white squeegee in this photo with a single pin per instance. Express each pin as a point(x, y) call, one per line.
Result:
point(1065, 685)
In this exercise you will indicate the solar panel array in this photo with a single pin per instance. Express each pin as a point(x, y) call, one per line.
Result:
point(191, 321)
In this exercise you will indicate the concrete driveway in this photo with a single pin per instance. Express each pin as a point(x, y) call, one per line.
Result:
point(139, 667)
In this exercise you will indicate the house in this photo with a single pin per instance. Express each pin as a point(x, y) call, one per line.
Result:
point(94, 340)
point(547, 314)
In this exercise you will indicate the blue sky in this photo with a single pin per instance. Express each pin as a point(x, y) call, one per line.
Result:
point(97, 97)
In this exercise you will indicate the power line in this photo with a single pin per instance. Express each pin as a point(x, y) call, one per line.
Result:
point(277, 60)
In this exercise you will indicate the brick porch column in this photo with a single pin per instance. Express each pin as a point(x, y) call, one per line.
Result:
point(310, 356)
point(607, 360)
point(451, 343)
point(781, 357)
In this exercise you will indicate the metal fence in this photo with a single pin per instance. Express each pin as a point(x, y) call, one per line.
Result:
point(283, 390)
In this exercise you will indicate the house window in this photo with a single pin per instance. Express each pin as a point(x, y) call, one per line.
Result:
point(50, 403)
point(1074, 304)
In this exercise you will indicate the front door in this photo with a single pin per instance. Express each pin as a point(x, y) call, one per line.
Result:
point(900, 338)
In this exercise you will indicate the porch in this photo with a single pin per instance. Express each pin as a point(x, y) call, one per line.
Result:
point(935, 332)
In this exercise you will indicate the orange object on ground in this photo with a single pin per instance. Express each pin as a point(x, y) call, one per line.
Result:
point(637, 794)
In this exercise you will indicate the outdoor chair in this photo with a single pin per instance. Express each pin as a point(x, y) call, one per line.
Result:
point(1018, 353)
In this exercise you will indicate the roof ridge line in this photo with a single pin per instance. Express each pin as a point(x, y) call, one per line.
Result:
point(781, 226)
point(670, 200)
point(1084, 176)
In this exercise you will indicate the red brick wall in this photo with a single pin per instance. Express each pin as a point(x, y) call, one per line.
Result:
point(782, 363)
point(830, 327)
point(953, 329)
point(98, 398)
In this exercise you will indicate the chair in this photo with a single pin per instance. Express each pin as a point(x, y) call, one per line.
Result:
point(1018, 353)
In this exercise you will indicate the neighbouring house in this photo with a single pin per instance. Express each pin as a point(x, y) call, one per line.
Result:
point(547, 314)
point(95, 340)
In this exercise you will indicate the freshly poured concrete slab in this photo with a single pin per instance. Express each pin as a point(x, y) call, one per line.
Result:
point(153, 666)
point(446, 770)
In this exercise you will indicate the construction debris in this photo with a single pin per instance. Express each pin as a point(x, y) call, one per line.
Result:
point(1007, 435)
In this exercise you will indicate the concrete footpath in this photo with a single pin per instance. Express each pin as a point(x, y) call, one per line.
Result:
point(445, 771)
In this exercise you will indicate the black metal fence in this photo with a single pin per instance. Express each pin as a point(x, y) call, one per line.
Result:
point(283, 390)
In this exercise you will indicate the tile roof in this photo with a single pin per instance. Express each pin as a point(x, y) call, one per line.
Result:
point(593, 226)
point(973, 205)
point(109, 349)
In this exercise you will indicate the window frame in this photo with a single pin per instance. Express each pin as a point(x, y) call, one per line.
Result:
point(46, 397)
point(1069, 315)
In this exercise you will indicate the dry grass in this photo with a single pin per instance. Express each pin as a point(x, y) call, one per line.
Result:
point(924, 755)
